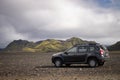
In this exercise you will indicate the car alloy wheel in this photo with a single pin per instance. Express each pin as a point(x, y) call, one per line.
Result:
point(92, 63)
point(58, 63)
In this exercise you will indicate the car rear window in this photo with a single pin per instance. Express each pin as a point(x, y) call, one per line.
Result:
point(103, 47)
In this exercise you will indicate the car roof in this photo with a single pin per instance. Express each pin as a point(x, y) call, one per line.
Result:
point(88, 44)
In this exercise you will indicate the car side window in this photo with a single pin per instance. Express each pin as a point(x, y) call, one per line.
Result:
point(72, 50)
point(82, 49)
point(92, 48)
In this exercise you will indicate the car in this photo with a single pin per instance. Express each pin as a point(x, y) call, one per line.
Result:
point(92, 54)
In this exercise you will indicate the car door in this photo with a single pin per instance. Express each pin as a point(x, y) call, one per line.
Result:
point(82, 54)
point(69, 55)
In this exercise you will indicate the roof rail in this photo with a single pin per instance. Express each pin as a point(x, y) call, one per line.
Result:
point(87, 44)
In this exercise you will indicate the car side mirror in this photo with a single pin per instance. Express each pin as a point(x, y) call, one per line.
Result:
point(65, 53)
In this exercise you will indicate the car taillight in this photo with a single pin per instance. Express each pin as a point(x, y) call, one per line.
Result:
point(101, 51)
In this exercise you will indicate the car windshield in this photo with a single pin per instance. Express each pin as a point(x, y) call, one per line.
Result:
point(72, 49)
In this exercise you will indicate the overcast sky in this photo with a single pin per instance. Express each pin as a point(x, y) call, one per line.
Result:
point(34, 20)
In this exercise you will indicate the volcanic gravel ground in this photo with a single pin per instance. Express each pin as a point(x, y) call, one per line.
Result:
point(38, 66)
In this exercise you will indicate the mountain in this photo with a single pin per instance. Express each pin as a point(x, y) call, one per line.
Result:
point(115, 47)
point(49, 45)
point(18, 45)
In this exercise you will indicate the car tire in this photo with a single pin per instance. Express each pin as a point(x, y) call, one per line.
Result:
point(92, 63)
point(58, 62)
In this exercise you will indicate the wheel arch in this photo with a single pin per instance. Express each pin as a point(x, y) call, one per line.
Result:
point(58, 58)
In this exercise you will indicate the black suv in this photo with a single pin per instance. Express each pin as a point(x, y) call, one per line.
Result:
point(91, 54)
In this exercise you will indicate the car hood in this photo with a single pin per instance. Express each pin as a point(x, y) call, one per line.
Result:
point(59, 53)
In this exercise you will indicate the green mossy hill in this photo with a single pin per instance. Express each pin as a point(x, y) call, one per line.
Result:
point(115, 47)
point(49, 45)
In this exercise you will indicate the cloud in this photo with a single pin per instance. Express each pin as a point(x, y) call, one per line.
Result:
point(37, 19)
point(8, 32)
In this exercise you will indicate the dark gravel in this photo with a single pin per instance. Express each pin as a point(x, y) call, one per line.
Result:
point(38, 66)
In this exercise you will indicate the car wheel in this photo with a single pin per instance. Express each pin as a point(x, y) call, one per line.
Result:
point(101, 64)
point(92, 62)
point(58, 63)
point(67, 65)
